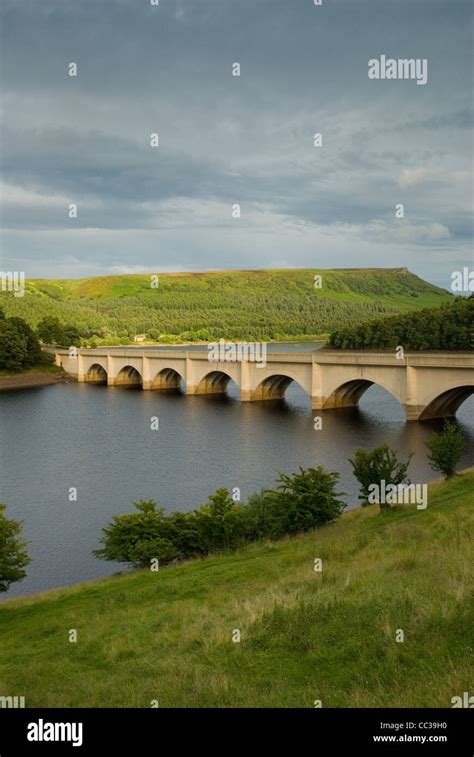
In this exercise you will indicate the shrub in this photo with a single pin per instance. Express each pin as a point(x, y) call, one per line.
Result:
point(136, 538)
point(13, 556)
point(380, 464)
point(221, 523)
point(445, 449)
point(303, 501)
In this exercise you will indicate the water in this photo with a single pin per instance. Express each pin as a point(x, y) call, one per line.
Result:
point(99, 440)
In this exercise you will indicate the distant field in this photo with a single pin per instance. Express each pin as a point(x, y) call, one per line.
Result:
point(261, 304)
point(331, 636)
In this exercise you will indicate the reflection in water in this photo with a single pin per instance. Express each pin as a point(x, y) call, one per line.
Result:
point(99, 440)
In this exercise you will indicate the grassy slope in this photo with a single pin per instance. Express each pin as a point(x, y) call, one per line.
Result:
point(390, 286)
point(305, 635)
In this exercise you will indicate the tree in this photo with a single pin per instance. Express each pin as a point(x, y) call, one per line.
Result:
point(13, 347)
point(445, 449)
point(377, 466)
point(70, 336)
point(13, 556)
point(49, 329)
point(33, 349)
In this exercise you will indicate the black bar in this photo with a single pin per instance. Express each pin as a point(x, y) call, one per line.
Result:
point(315, 731)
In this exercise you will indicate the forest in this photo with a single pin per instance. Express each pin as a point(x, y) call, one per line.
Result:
point(449, 327)
point(248, 305)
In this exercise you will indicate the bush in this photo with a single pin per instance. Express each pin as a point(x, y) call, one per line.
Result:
point(136, 538)
point(221, 523)
point(381, 464)
point(13, 556)
point(445, 449)
point(301, 502)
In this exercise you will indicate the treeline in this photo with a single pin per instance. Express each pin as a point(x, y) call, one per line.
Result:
point(449, 327)
point(242, 305)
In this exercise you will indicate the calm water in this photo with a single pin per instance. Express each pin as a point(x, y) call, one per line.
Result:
point(99, 440)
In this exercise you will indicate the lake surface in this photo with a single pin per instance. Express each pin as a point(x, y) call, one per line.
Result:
point(99, 440)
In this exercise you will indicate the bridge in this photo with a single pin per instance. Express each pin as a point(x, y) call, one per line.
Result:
point(427, 385)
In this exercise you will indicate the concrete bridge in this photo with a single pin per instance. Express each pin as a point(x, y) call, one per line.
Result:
point(427, 385)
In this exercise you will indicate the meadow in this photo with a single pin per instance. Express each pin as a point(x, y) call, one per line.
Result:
point(145, 637)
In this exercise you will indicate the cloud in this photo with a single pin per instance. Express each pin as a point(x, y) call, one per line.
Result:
point(405, 231)
point(412, 177)
point(225, 140)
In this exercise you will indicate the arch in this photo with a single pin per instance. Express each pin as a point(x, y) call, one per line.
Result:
point(273, 387)
point(214, 382)
point(96, 374)
point(128, 376)
point(349, 393)
point(447, 403)
point(166, 379)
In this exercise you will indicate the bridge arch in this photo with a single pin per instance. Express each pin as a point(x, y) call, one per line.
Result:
point(128, 376)
point(447, 403)
point(214, 382)
point(96, 374)
point(273, 387)
point(349, 393)
point(167, 378)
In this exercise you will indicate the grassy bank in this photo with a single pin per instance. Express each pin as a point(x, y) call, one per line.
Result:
point(305, 635)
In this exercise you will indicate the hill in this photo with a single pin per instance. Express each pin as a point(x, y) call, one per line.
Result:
point(305, 635)
point(254, 305)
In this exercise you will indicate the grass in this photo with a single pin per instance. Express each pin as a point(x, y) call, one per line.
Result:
point(304, 635)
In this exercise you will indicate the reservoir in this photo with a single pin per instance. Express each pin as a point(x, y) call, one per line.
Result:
point(99, 440)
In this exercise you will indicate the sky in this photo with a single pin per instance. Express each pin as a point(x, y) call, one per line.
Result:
point(229, 140)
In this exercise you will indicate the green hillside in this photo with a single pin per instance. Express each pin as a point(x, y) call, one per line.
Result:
point(305, 635)
point(261, 304)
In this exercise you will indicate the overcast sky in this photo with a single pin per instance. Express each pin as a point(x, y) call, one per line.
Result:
point(224, 140)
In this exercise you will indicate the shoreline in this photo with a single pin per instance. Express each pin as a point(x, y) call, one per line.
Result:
point(33, 378)
point(56, 591)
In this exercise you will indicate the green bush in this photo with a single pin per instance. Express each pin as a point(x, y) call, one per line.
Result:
point(377, 466)
point(136, 538)
point(445, 449)
point(221, 523)
point(301, 502)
